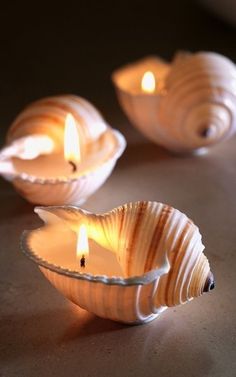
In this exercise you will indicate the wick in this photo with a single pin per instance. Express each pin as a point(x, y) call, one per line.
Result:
point(82, 262)
point(74, 167)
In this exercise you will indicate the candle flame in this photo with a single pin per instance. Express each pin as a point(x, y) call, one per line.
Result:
point(148, 83)
point(82, 250)
point(71, 140)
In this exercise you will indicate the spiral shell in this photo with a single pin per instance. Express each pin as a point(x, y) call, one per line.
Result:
point(197, 108)
point(99, 142)
point(159, 250)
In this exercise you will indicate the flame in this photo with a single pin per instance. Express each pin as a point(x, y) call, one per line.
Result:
point(82, 249)
point(71, 140)
point(148, 83)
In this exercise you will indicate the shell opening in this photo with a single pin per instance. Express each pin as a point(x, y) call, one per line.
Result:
point(208, 132)
point(210, 283)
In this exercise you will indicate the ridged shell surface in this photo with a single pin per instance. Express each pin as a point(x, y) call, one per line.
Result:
point(197, 107)
point(97, 139)
point(47, 116)
point(65, 190)
point(159, 250)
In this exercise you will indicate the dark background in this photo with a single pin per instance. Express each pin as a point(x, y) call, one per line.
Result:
point(48, 48)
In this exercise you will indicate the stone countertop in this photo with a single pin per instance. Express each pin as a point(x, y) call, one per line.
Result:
point(42, 333)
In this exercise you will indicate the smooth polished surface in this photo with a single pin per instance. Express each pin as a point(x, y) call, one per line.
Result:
point(41, 333)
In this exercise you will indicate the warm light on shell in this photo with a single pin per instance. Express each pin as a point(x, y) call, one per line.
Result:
point(196, 107)
point(159, 250)
point(47, 117)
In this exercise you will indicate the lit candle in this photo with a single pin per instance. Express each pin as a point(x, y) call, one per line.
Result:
point(145, 77)
point(71, 142)
point(165, 101)
point(141, 89)
point(58, 163)
point(82, 250)
point(43, 151)
point(148, 82)
point(156, 274)
point(93, 258)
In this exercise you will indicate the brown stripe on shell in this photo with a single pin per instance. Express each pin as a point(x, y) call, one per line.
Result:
point(175, 252)
point(88, 106)
point(121, 220)
point(134, 237)
point(53, 118)
point(67, 109)
point(157, 234)
point(104, 230)
point(179, 260)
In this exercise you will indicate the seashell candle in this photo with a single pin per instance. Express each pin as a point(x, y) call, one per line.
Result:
point(184, 106)
point(145, 257)
point(42, 168)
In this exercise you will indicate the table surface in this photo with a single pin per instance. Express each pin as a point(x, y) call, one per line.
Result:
point(43, 334)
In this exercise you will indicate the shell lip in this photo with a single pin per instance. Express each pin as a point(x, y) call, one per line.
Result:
point(121, 145)
point(119, 89)
point(137, 95)
point(119, 71)
point(144, 279)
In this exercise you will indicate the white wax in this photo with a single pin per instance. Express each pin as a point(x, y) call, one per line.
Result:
point(50, 166)
point(57, 245)
point(54, 165)
point(100, 262)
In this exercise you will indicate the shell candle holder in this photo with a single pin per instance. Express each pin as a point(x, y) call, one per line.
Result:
point(33, 158)
point(145, 257)
point(185, 106)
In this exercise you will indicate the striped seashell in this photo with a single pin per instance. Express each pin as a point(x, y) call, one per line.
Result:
point(159, 250)
point(45, 119)
point(195, 110)
point(47, 116)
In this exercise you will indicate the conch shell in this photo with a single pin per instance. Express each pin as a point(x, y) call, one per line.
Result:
point(195, 107)
point(158, 248)
point(44, 120)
